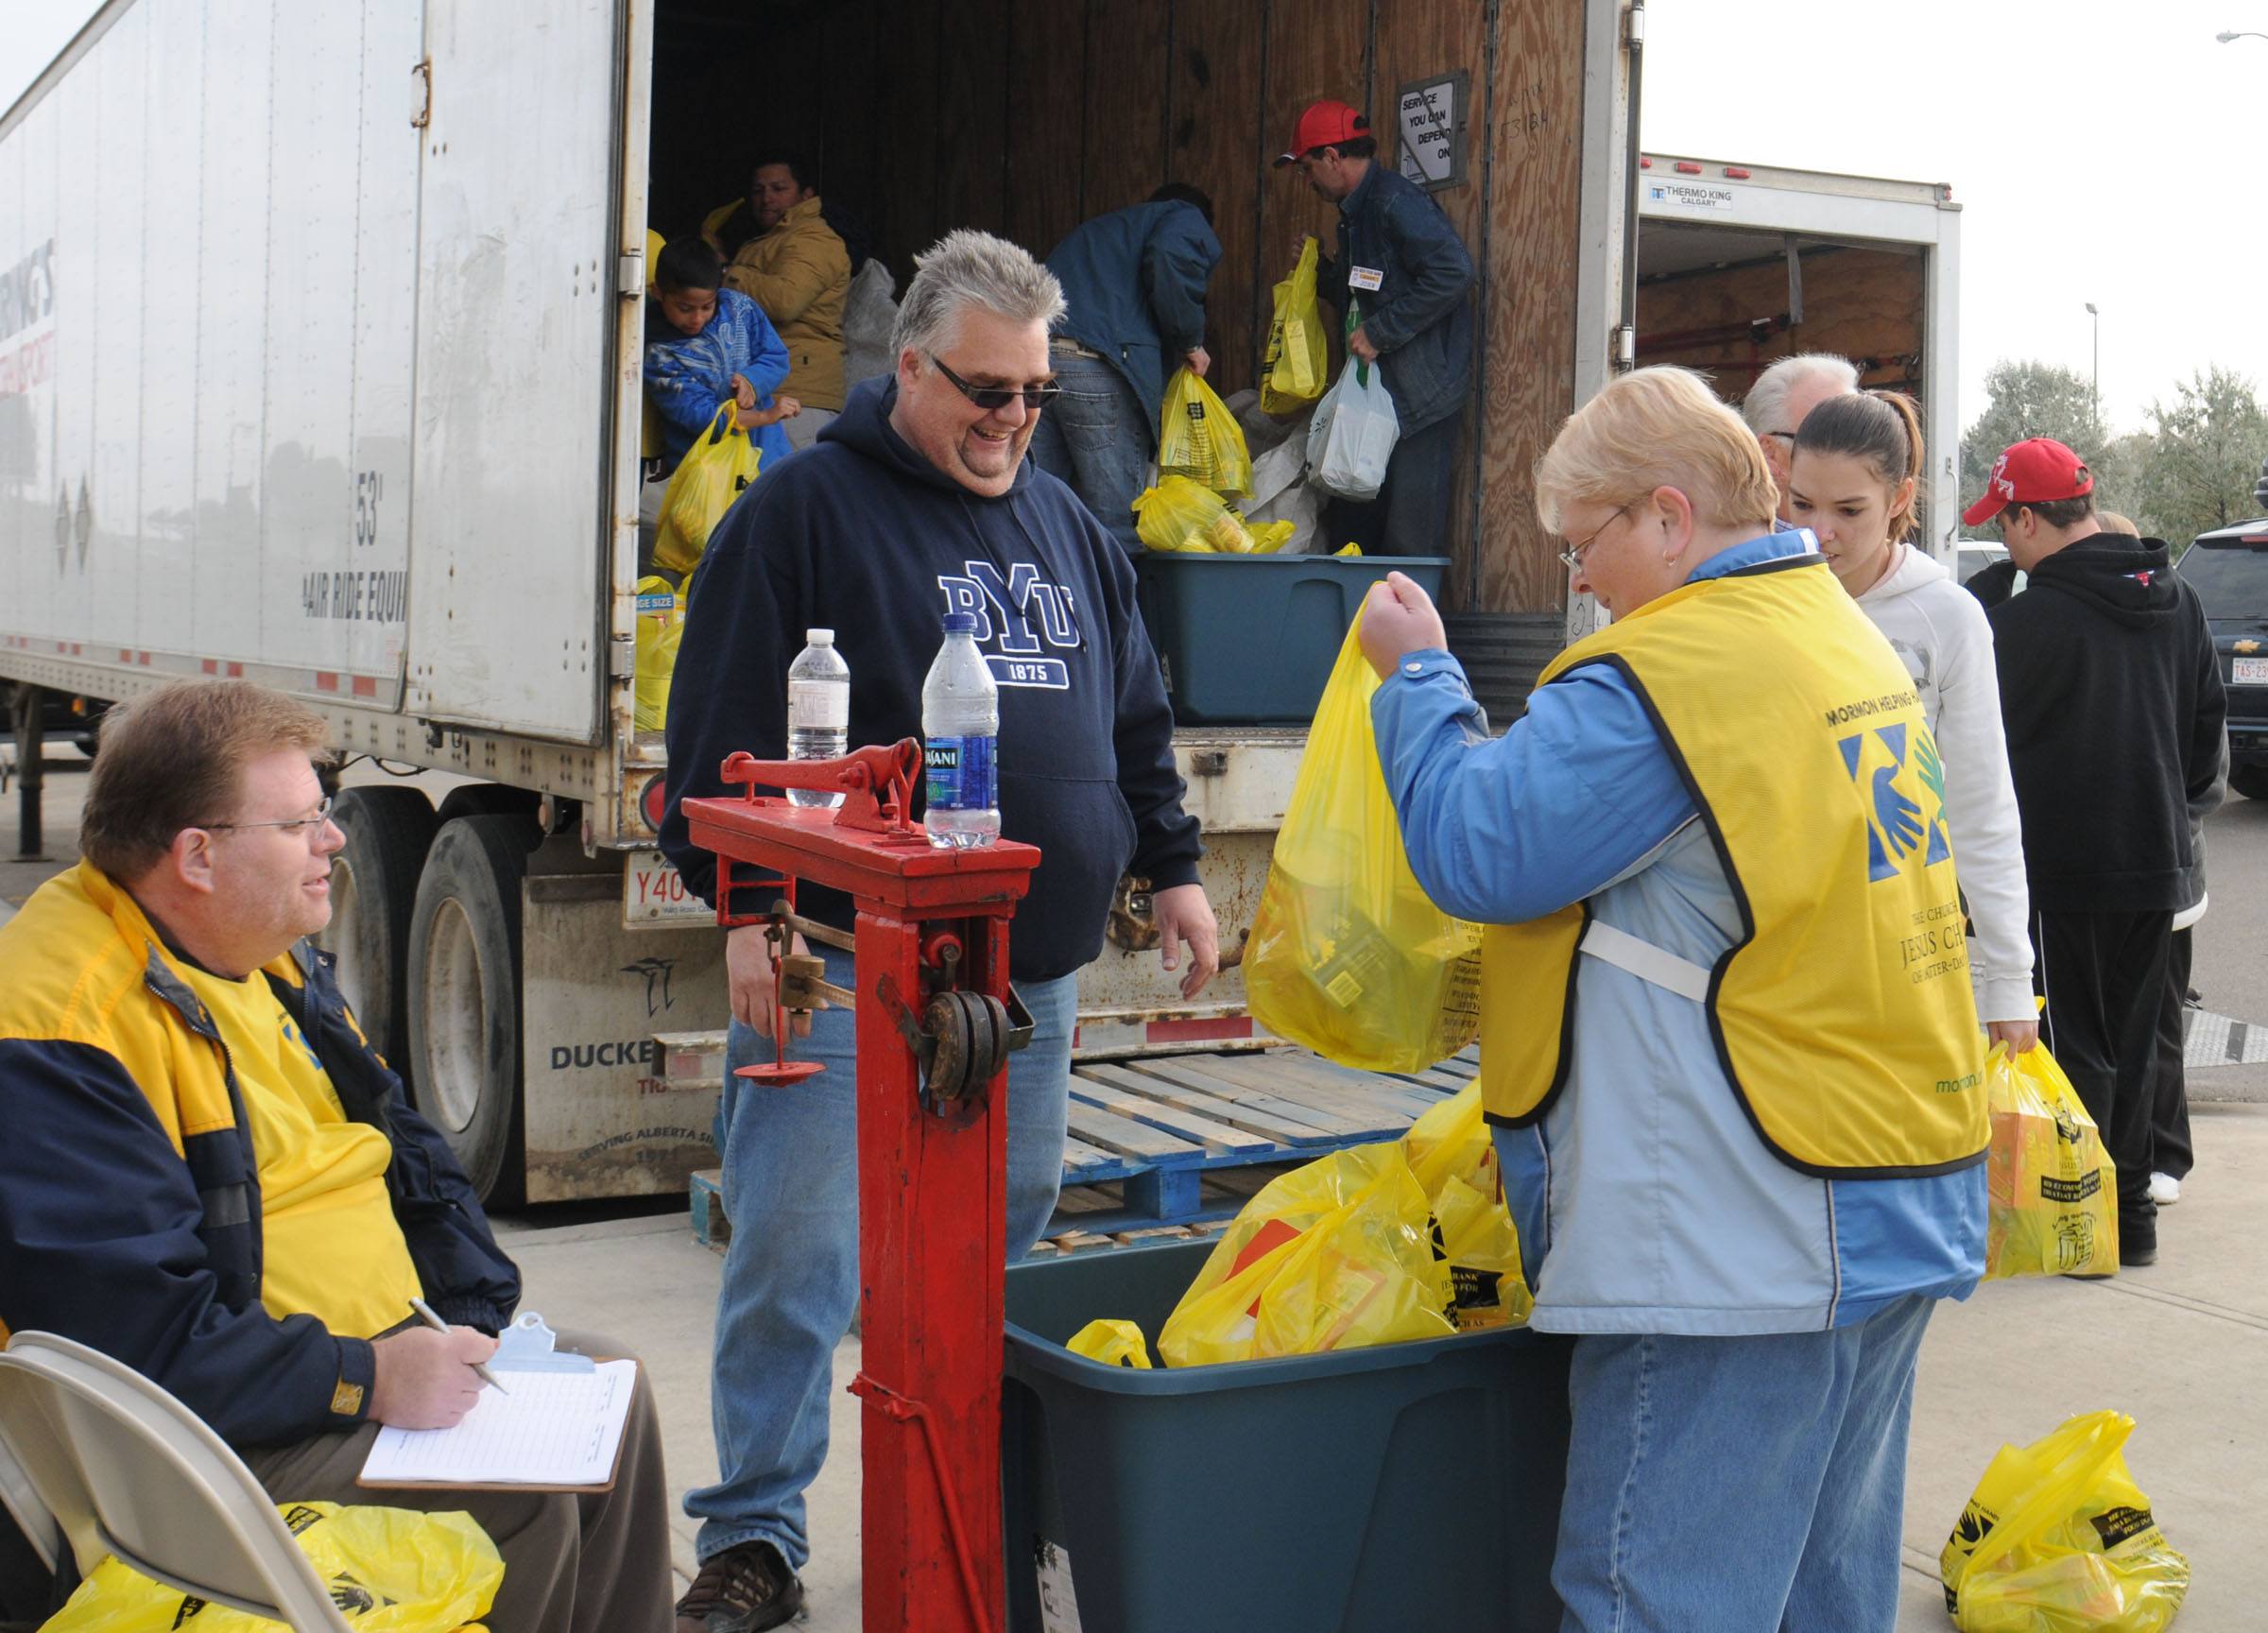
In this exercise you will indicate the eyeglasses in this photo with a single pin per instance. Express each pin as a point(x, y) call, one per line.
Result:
point(290, 825)
point(1573, 554)
point(991, 398)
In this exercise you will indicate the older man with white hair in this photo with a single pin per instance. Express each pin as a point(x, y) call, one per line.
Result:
point(1783, 395)
point(916, 503)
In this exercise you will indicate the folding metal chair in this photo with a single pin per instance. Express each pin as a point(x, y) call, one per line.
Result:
point(125, 1469)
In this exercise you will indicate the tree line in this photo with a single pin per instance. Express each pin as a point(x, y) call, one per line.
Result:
point(2190, 469)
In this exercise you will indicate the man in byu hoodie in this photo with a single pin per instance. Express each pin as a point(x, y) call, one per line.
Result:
point(2115, 713)
point(915, 503)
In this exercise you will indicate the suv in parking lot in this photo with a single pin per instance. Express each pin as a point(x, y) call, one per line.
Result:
point(2228, 569)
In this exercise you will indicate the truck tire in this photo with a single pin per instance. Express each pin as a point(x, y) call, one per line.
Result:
point(464, 996)
point(488, 800)
point(2249, 780)
point(373, 887)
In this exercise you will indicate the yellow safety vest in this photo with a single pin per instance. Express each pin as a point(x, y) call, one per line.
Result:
point(1843, 1016)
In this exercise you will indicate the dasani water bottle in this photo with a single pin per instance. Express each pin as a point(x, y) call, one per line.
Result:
point(818, 710)
point(960, 732)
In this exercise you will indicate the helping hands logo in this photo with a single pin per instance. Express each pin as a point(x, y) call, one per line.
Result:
point(1896, 770)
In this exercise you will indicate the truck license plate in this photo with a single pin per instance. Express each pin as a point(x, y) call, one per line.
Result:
point(2248, 671)
point(654, 893)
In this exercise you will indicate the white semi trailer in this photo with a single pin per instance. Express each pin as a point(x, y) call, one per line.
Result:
point(320, 364)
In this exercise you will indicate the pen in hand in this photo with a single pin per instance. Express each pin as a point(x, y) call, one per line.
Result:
point(426, 1313)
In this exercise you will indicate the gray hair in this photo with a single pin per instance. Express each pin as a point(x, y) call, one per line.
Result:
point(971, 268)
point(1769, 395)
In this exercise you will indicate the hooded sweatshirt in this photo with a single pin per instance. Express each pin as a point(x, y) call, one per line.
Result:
point(2115, 713)
point(1939, 632)
point(861, 534)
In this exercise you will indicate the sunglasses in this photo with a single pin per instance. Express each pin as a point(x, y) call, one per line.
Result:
point(991, 398)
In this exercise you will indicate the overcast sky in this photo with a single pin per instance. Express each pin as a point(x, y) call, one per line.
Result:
point(2100, 148)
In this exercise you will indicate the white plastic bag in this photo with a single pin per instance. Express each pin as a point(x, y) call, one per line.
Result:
point(1353, 433)
point(868, 315)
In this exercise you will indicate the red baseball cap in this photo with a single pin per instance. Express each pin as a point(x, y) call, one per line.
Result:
point(1324, 124)
point(2034, 472)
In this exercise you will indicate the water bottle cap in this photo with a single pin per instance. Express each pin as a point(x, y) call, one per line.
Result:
point(819, 637)
point(960, 623)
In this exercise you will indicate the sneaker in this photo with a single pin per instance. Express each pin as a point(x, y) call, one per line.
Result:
point(744, 1589)
point(2164, 1190)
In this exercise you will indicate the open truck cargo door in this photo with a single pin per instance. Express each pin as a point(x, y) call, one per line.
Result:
point(516, 273)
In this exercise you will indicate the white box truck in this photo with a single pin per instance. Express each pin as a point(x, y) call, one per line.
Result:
point(1741, 265)
point(320, 366)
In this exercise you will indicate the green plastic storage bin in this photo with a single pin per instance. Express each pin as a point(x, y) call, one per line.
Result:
point(1380, 1490)
point(1249, 639)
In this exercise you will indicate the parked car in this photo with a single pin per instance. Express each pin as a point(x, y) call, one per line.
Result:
point(2228, 569)
point(1974, 555)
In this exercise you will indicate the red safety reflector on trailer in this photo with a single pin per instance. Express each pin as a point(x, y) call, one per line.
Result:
point(1738, 172)
point(654, 803)
point(1686, 168)
point(366, 686)
point(1215, 1030)
point(1646, 164)
point(325, 681)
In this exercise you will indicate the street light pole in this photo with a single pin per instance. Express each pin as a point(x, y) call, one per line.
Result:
point(2097, 372)
point(2227, 34)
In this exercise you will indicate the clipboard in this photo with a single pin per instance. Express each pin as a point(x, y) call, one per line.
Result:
point(564, 1411)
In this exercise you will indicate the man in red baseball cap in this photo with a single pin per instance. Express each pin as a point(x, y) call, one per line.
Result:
point(2043, 493)
point(2114, 707)
point(1405, 272)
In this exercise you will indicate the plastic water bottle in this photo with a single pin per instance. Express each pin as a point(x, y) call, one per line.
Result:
point(818, 710)
point(960, 732)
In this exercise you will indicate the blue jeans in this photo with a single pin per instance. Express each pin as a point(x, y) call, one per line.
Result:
point(1099, 438)
point(1739, 1485)
point(790, 1158)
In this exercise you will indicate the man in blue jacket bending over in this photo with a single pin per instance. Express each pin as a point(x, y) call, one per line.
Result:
point(209, 1176)
point(1405, 272)
point(1135, 281)
point(916, 502)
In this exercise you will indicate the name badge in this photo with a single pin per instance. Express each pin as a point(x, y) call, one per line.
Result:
point(1365, 278)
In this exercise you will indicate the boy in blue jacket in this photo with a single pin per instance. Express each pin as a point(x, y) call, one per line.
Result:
point(705, 343)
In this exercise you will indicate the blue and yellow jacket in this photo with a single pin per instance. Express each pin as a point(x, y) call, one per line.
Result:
point(129, 1194)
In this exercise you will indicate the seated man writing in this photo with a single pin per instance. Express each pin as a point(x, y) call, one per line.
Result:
point(209, 1175)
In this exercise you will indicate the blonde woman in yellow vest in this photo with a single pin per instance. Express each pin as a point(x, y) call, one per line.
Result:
point(1728, 1043)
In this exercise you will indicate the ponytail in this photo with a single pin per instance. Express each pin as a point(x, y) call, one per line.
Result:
point(1883, 428)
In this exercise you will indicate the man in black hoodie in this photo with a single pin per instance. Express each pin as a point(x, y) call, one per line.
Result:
point(916, 502)
point(2115, 713)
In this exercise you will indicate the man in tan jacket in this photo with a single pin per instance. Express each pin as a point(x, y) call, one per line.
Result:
point(780, 252)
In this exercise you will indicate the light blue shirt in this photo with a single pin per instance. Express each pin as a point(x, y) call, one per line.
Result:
point(1503, 829)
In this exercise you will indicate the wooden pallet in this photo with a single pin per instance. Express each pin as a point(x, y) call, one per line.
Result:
point(1186, 1138)
point(1162, 1127)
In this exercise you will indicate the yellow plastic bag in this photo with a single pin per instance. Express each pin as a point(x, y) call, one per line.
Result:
point(1199, 437)
point(389, 1571)
point(1347, 955)
point(660, 626)
point(719, 465)
point(1473, 1234)
point(2059, 1540)
point(1359, 1273)
point(1451, 1141)
point(1299, 358)
point(1270, 537)
point(1112, 1343)
point(2052, 1189)
point(1180, 514)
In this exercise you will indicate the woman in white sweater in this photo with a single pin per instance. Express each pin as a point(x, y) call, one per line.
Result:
point(1857, 461)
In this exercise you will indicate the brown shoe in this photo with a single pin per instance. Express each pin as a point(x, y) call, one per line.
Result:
point(746, 1589)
